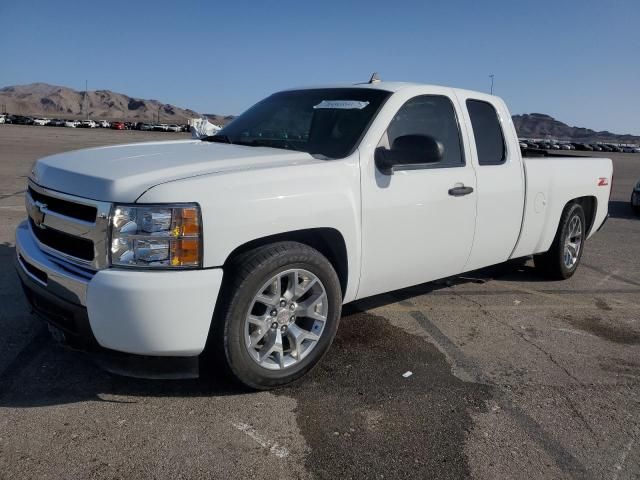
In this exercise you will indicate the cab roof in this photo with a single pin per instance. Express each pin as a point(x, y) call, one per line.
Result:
point(387, 86)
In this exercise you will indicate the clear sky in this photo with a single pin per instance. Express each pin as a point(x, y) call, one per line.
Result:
point(577, 60)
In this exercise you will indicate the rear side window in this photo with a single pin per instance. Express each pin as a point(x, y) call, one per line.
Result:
point(487, 132)
point(431, 115)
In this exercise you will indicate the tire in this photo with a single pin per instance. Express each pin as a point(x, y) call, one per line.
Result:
point(635, 208)
point(553, 263)
point(251, 274)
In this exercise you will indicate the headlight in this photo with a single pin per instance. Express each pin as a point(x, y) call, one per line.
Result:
point(162, 236)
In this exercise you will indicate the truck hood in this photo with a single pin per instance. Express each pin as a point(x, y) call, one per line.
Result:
point(121, 173)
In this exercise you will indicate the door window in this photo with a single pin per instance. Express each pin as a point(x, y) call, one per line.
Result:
point(487, 132)
point(433, 116)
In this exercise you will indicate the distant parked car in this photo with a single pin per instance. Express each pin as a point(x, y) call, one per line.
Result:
point(87, 124)
point(585, 147)
point(21, 120)
point(565, 146)
point(41, 122)
point(596, 147)
point(173, 128)
point(70, 123)
point(3, 119)
point(160, 127)
point(146, 127)
point(635, 199)
point(102, 124)
point(56, 122)
point(636, 150)
point(118, 126)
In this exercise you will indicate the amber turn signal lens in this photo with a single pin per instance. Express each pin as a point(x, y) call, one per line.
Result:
point(185, 252)
point(186, 222)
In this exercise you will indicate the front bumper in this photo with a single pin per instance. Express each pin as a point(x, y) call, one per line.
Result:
point(144, 313)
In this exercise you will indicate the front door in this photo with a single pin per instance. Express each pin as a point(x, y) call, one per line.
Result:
point(418, 225)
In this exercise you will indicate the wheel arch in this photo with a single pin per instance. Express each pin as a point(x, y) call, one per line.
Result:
point(590, 206)
point(328, 241)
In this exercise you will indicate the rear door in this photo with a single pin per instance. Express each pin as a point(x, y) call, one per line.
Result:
point(500, 179)
point(416, 226)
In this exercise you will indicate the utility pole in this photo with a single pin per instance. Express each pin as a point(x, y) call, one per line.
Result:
point(159, 106)
point(491, 76)
point(86, 110)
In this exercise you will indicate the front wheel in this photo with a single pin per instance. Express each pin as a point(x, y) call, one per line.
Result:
point(563, 258)
point(280, 313)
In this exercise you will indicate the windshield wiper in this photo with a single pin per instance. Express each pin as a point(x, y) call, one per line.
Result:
point(265, 142)
point(217, 139)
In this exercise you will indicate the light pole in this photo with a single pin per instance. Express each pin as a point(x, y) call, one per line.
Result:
point(491, 77)
point(159, 106)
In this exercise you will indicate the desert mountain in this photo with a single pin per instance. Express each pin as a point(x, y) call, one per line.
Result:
point(41, 99)
point(538, 125)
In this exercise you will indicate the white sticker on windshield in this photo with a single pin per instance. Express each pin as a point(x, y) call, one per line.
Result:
point(342, 104)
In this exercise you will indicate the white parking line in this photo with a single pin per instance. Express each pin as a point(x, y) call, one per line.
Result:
point(278, 450)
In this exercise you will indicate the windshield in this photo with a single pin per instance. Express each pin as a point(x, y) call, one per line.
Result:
point(327, 123)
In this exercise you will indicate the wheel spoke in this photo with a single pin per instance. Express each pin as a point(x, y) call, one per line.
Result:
point(296, 337)
point(262, 326)
point(308, 308)
point(305, 286)
point(268, 300)
point(273, 345)
point(292, 285)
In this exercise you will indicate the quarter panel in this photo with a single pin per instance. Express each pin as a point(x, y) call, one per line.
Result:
point(551, 183)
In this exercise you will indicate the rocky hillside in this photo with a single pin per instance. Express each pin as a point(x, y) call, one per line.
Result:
point(41, 99)
point(538, 125)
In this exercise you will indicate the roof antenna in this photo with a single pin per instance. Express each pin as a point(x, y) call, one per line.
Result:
point(375, 78)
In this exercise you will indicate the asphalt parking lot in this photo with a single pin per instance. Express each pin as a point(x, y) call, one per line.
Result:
point(513, 376)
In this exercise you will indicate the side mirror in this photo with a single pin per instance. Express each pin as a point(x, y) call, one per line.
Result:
point(409, 152)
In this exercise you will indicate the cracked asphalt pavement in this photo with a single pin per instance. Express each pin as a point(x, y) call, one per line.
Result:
point(512, 376)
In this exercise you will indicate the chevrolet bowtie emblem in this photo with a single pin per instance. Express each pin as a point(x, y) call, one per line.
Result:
point(37, 213)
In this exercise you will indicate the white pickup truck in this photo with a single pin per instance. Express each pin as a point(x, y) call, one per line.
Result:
point(238, 250)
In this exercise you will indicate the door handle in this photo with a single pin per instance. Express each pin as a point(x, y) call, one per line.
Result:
point(460, 191)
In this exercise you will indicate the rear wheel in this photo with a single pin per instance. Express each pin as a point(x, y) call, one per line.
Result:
point(563, 258)
point(635, 203)
point(280, 312)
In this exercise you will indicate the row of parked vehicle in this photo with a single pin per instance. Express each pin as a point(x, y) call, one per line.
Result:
point(585, 147)
point(58, 122)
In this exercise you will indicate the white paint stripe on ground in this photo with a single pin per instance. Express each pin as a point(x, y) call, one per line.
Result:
point(607, 277)
point(16, 208)
point(575, 332)
point(617, 468)
point(278, 450)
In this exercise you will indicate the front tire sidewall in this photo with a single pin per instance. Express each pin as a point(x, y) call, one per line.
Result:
point(238, 358)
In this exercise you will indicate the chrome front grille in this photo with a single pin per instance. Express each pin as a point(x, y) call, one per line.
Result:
point(70, 228)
